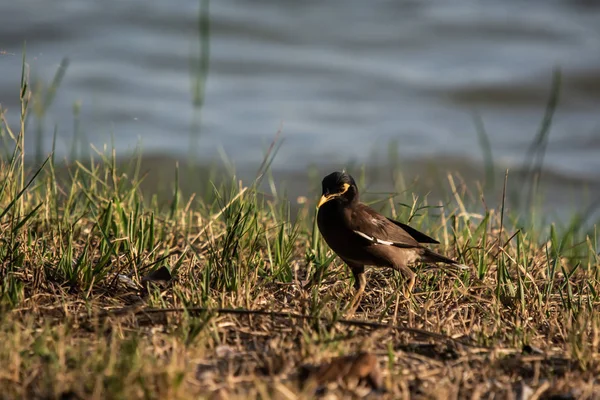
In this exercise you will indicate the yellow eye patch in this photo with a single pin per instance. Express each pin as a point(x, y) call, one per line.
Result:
point(325, 198)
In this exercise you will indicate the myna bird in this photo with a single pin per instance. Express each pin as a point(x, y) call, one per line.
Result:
point(361, 236)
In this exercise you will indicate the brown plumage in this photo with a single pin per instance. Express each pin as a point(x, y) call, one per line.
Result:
point(361, 236)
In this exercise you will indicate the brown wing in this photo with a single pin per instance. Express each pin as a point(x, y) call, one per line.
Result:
point(373, 226)
point(418, 236)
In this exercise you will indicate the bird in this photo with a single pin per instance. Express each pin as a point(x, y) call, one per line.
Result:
point(361, 236)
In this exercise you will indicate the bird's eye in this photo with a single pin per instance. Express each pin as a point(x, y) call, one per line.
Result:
point(344, 188)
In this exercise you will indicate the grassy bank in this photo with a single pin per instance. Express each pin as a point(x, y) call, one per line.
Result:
point(108, 292)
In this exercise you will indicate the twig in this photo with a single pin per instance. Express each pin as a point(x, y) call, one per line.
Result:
point(137, 311)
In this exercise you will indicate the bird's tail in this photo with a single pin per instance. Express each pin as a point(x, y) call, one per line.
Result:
point(432, 256)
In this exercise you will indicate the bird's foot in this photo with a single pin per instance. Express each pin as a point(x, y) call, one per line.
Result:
point(353, 309)
point(354, 305)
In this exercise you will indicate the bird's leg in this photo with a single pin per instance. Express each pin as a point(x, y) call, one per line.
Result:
point(360, 282)
point(409, 275)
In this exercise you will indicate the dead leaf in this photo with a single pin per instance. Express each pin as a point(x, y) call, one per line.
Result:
point(362, 367)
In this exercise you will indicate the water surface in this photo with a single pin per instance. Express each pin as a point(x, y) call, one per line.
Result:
point(341, 79)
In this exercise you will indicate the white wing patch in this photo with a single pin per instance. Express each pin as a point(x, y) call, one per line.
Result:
point(374, 240)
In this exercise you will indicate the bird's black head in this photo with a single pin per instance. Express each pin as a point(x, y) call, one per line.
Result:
point(339, 186)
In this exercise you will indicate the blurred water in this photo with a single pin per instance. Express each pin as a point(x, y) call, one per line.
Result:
point(341, 78)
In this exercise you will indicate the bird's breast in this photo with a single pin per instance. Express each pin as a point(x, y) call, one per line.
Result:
point(335, 227)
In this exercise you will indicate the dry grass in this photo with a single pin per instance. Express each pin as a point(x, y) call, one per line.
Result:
point(76, 322)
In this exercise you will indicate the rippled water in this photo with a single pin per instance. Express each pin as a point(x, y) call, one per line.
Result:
point(342, 79)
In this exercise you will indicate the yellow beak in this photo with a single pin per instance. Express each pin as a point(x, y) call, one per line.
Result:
point(324, 199)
